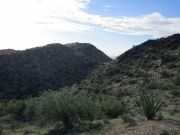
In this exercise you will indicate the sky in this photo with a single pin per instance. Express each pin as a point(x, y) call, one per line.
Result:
point(113, 26)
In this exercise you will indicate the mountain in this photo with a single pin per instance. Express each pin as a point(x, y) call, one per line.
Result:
point(154, 61)
point(26, 73)
point(88, 50)
point(6, 53)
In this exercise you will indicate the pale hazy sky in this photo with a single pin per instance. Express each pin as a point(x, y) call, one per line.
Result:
point(112, 25)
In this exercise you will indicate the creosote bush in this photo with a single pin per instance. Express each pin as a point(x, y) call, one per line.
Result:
point(113, 107)
point(67, 107)
point(71, 108)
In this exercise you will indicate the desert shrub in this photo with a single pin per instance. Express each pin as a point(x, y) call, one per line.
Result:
point(140, 73)
point(168, 58)
point(175, 93)
point(160, 116)
point(168, 87)
point(89, 125)
point(152, 85)
point(174, 111)
point(177, 81)
point(17, 108)
point(122, 93)
point(164, 74)
point(164, 132)
point(127, 118)
point(106, 121)
point(137, 103)
point(72, 108)
point(112, 108)
point(171, 65)
point(67, 107)
point(3, 109)
point(132, 81)
point(13, 126)
point(30, 110)
point(150, 103)
point(60, 106)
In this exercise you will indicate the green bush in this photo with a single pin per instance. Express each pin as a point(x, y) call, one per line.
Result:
point(71, 108)
point(150, 103)
point(174, 111)
point(177, 81)
point(160, 116)
point(30, 110)
point(66, 107)
point(168, 87)
point(112, 108)
point(3, 109)
point(17, 108)
point(58, 107)
point(152, 85)
point(175, 93)
point(171, 65)
point(164, 74)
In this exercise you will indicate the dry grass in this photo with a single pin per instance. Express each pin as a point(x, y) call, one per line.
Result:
point(143, 128)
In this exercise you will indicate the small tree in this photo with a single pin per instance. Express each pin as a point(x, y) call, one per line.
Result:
point(150, 103)
point(66, 107)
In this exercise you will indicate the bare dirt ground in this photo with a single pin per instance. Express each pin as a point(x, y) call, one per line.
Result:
point(146, 128)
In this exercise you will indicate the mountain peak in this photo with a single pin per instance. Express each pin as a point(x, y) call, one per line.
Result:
point(88, 50)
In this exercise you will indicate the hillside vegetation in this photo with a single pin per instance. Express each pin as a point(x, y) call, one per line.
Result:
point(136, 94)
point(26, 73)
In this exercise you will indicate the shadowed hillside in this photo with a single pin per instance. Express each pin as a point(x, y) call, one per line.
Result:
point(28, 72)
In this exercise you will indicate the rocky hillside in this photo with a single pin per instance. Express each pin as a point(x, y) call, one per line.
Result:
point(6, 53)
point(26, 73)
point(89, 51)
point(154, 61)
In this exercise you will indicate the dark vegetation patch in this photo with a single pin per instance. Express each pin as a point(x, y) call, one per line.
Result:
point(29, 72)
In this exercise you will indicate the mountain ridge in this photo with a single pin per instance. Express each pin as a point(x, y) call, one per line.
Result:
point(28, 72)
point(148, 60)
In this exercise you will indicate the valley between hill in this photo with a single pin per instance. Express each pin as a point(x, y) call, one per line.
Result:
point(76, 89)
